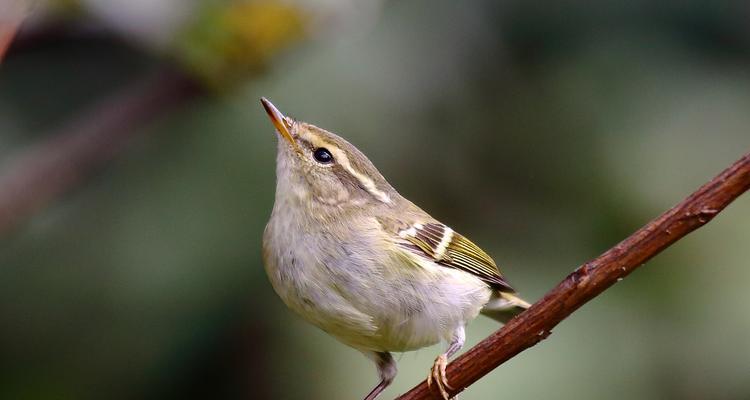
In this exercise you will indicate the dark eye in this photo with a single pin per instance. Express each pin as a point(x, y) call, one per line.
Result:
point(322, 155)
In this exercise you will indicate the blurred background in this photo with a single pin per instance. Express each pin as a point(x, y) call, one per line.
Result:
point(137, 173)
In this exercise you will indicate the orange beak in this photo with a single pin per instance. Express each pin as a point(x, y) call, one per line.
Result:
point(279, 121)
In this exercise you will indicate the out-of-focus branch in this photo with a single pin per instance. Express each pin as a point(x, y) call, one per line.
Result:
point(40, 174)
point(12, 13)
point(592, 278)
point(219, 46)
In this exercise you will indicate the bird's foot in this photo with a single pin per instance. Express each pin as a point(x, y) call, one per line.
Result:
point(438, 374)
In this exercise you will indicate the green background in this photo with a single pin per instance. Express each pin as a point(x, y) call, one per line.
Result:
point(545, 131)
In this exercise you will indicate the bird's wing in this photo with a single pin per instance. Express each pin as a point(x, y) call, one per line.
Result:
point(448, 248)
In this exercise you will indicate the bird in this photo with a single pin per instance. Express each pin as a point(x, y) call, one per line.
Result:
point(344, 250)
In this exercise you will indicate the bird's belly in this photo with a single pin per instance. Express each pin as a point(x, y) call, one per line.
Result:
point(420, 330)
point(387, 315)
point(373, 302)
point(438, 309)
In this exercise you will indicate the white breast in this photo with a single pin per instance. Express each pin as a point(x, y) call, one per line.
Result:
point(369, 299)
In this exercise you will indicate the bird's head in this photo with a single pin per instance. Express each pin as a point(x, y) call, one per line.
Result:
point(320, 170)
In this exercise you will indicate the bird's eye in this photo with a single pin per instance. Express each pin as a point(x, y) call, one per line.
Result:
point(322, 155)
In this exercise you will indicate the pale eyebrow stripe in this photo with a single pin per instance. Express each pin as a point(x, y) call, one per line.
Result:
point(364, 180)
point(340, 157)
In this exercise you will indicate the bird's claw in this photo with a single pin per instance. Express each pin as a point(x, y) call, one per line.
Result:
point(438, 373)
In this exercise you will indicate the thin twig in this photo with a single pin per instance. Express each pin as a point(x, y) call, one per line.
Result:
point(592, 278)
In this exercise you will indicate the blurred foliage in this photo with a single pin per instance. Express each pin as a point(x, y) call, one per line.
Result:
point(545, 131)
point(229, 42)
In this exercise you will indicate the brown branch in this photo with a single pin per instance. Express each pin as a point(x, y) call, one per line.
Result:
point(46, 170)
point(12, 15)
point(592, 278)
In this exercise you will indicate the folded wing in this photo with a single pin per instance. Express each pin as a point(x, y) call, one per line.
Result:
point(451, 249)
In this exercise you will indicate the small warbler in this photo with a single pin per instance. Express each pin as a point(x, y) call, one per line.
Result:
point(349, 254)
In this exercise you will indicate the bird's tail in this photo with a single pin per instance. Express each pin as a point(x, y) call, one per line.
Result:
point(504, 306)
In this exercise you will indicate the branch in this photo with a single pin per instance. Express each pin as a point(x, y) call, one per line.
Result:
point(12, 15)
point(592, 278)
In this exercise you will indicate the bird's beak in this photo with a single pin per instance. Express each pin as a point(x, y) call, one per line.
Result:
point(279, 121)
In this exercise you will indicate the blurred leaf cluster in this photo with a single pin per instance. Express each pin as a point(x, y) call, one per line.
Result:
point(230, 41)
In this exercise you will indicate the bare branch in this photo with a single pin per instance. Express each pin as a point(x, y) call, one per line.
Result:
point(592, 278)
